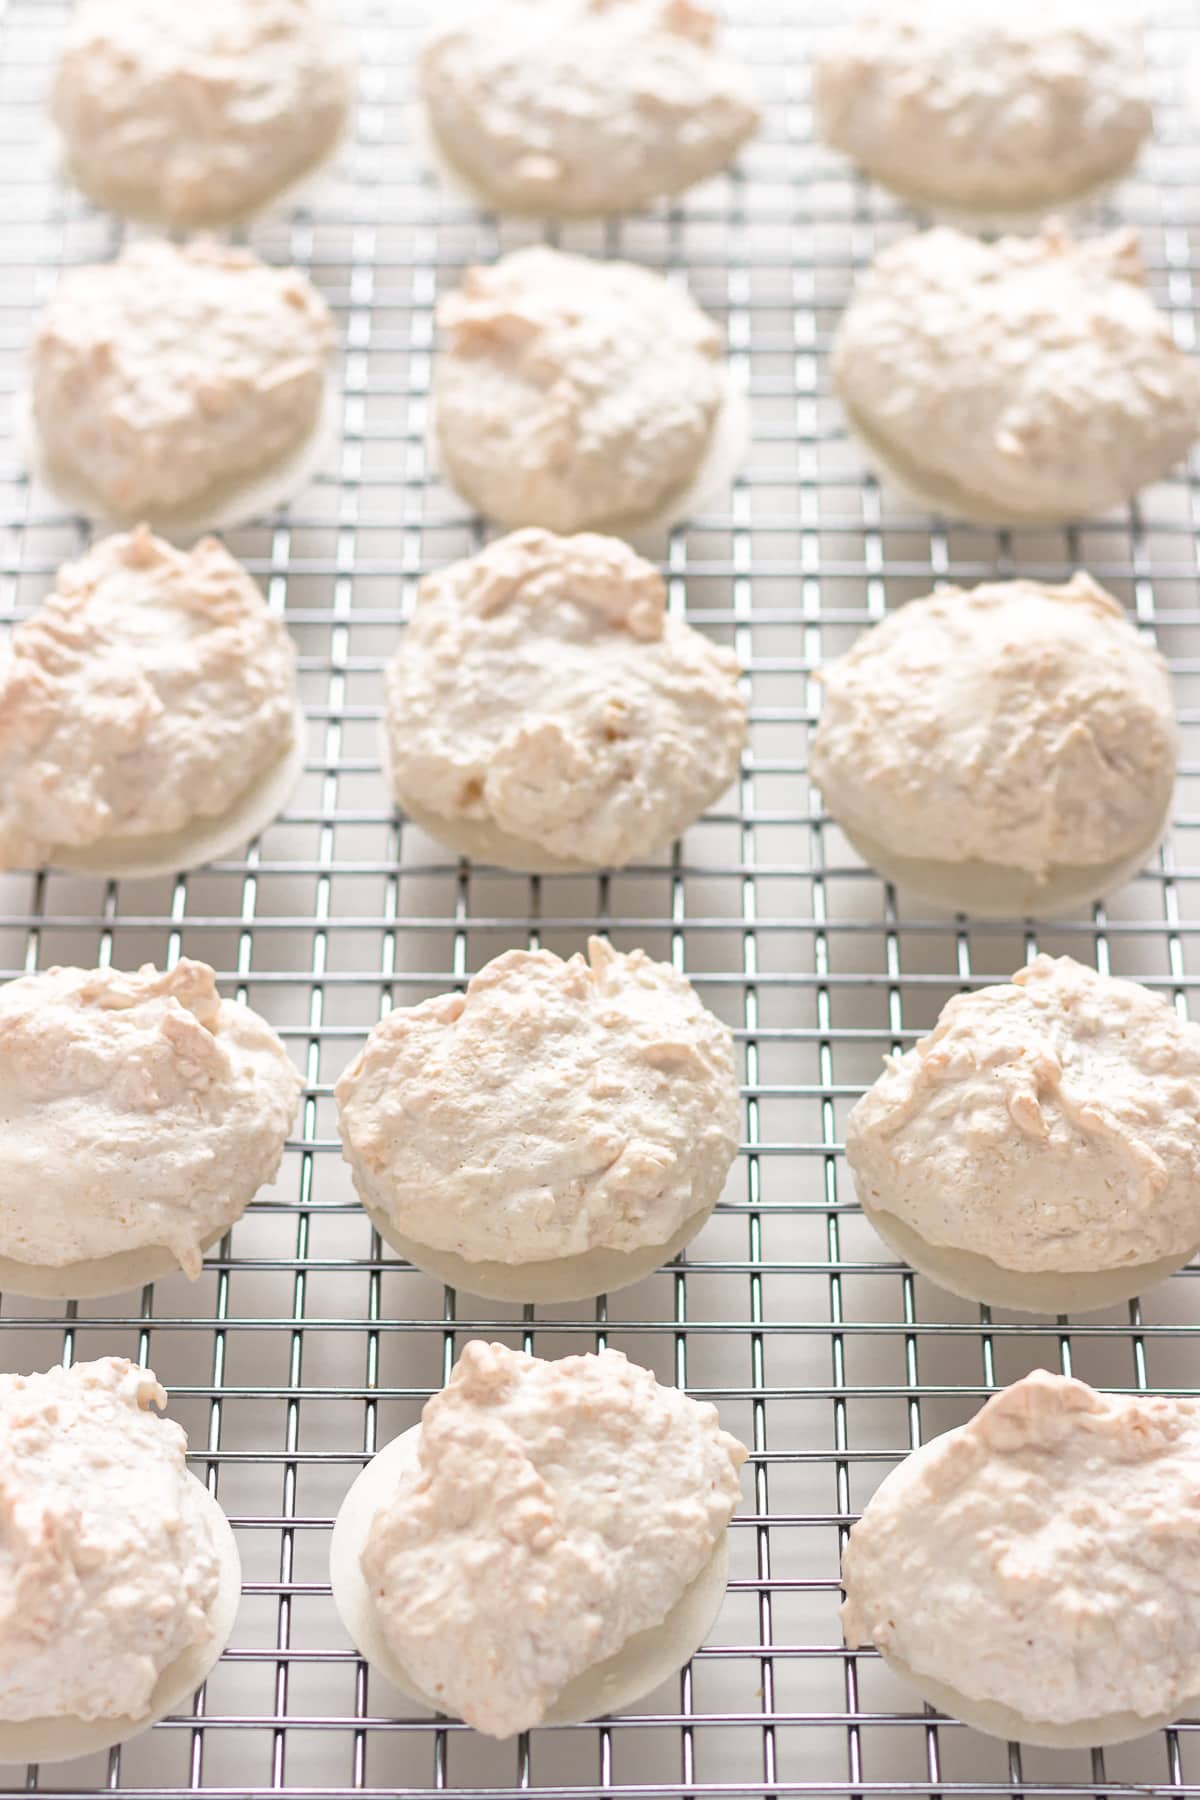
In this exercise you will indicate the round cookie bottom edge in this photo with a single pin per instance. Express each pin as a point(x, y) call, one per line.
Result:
point(1001, 1721)
point(95, 1277)
point(138, 206)
point(994, 891)
point(1018, 217)
point(642, 1663)
point(559, 1280)
point(59, 1739)
point(723, 455)
point(430, 143)
point(478, 839)
point(936, 493)
point(203, 840)
point(224, 504)
point(483, 841)
point(988, 1283)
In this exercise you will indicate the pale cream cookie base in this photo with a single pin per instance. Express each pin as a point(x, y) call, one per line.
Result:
point(484, 842)
point(975, 1277)
point(1001, 1721)
point(724, 454)
point(642, 1663)
point(223, 506)
point(1024, 214)
point(54, 1740)
point(432, 147)
point(479, 839)
point(204, 840)
point(992, 891)
point(934, 492)
point(560, 1279)
point(95, 1278)
point(298, 188)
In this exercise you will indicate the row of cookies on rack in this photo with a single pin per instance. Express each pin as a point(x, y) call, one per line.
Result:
point(1029, 380)
point(549, 1544)
point(441, 1560)
point(1003, 750)
point(1049, 1121)
point(590, 108)
point(1036, 1150)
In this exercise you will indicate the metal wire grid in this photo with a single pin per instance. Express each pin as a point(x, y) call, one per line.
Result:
point(303, 1346)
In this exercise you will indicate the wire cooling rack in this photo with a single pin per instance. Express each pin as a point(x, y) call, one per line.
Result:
point(304, 1346)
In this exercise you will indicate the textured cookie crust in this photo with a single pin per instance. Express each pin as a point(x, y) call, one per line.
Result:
point(573, 394)
point(1048, 1123)
point(542, 689)
point(585, 106)
point(1023, 106)
point(108, 1563)
point(613, 1685)
point(1020, 724)
point(1033, 375)
point(559, 1508)
point(1042, 1556)
point(151, 689)
point(138, 1109)
point(553, 1108)
point(197, 114)
point(175, 369)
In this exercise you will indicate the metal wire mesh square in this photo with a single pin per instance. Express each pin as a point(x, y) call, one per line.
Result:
point(303, 1346)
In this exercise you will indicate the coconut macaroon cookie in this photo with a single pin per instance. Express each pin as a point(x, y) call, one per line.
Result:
point(1029, 379)
point(1038, 1149)
point(986, 107)
point(557, 1131)
point(574, 394)
point(1033, 1572)
point(141, 1115)
point(584, 106)
point(148, 712)
point(172, 379)
point(1005, 750)
point(121, 1574)
point(193, 115)
point(545, 711)
point(549, 1544)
